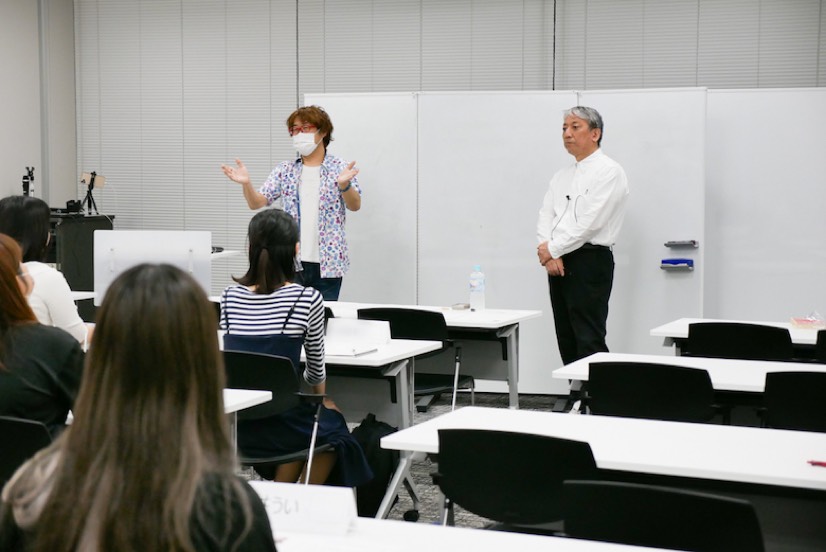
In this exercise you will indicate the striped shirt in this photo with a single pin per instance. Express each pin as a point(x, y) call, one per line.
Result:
point(245, 312)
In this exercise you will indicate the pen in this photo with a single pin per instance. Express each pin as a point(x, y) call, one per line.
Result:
point(818, 463)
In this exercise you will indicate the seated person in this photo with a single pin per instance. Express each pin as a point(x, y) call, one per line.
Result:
point(147, 463)
point(26, 219)
point(266, 302)
point(40, 366)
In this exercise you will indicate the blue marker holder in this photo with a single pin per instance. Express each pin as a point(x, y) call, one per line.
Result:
point(677, 264)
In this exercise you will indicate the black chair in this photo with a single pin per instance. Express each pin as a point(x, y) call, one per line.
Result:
point(820, 347)
point(21, 440)
point(651, 390)
point(795, 400)
point(514, 479)
point(738, 341)
point(430, 326)
point(276, 374)
point(660, 517)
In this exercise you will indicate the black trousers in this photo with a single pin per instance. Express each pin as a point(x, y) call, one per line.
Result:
point(580, 301)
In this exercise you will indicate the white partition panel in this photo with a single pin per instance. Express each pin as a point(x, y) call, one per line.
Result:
point(766, 203)
point(658, 136)
point(378, 131)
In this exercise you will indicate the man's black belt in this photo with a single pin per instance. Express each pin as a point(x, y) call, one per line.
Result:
point(594, 246)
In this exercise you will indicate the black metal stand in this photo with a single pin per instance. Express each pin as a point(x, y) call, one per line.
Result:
point(28, 179)
point(89, 200)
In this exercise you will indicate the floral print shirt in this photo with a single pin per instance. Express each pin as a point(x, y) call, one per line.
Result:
point(283, 183)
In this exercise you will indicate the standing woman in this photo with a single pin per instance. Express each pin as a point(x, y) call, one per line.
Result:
point(267, 312)
point(40, 366)
point(316, 190)
point(147, 463)
point(26, 219)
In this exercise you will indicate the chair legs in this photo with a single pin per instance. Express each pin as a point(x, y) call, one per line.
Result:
point(312, 443)
point(458, 362)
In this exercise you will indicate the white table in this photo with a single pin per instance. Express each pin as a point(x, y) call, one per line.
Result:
point(768, 466)
point(239, 399)
point(747, 376)
point(500, 323)
point(81, 295)
point(373, 535)
point(390, 360)
point(676, 332)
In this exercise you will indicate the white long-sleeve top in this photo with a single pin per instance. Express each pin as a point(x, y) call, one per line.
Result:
point(52, 303)
point(585, 203)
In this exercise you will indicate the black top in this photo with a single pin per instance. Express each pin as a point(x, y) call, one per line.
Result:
point(216, 535)
point(222, 524)
point(41, 374)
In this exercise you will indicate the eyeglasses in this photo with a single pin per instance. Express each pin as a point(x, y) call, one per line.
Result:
point(306, 127)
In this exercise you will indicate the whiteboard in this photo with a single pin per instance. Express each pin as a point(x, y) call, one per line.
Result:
point(766, 203)
point(378, 131)
point(658, 136)
point(485, 160)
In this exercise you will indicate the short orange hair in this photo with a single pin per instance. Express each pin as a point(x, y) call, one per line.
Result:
point(314, 115)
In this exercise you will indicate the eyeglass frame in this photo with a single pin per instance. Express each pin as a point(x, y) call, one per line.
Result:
point(303, 128)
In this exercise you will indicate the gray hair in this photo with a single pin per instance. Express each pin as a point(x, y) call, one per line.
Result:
point(588, 114)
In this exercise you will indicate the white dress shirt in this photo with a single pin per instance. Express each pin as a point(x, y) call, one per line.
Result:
point(585, 203)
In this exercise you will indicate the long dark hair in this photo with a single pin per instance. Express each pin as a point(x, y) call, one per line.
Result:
point(272, 237)
point(149, 426)
point(26, 219)
point(14, 308)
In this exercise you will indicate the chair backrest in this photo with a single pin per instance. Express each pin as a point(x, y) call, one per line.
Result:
point(21, 440)
point(409, 323)
point(738, 340)
point(820, 347)
point(650, 390)
point(660, 517)
point(263, 372)
point(513, 478)
point(795, 400)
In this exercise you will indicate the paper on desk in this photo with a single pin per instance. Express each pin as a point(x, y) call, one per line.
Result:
point(352, 337)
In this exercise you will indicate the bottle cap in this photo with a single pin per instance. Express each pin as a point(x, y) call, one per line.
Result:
point(477, 268)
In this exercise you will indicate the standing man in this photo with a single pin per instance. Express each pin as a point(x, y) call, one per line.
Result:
point(578, 224)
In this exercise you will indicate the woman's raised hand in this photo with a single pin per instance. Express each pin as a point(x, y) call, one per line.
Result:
point(238, 173)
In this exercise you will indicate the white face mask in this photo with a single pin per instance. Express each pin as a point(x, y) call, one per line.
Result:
point(304, 143)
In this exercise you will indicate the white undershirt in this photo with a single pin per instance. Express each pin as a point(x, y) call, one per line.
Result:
point(308, 196)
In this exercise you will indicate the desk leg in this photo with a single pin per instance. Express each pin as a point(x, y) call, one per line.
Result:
point(402, 372)
point(233, 432)
point(400, 477)
point(511, 335)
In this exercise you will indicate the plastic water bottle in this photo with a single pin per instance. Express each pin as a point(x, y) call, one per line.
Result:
point(477, 289)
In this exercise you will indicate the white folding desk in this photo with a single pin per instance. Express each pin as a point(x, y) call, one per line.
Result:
point(768, 466)
point(676, 332)
point(499, 323)
point(747, 376)
point(391, 360)
point(374, 535)
point(239, 399)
